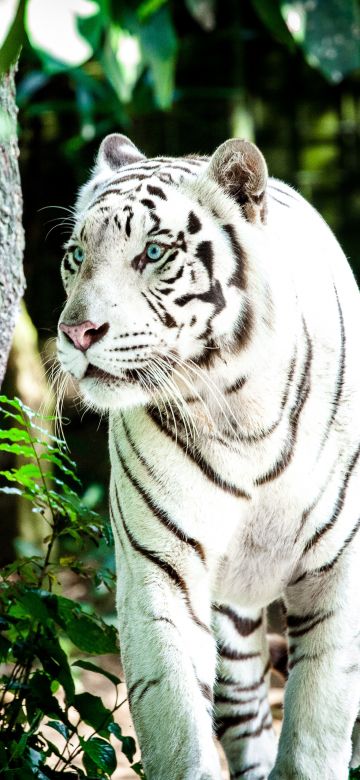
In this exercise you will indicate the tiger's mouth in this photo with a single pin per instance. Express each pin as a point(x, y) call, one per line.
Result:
point(132, 375)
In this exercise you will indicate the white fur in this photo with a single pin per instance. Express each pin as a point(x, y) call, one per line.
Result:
point(254, 545)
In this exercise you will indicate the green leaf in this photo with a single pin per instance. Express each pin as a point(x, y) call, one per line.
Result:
point(203, 11)
point(94, 668)
point(15, 434)
point(270, 14)
point(33, 605)
point(60, 727)
point(122, 61)
point(100, 752)
point(57, 52)
point(39, 698)
point(55, 663)
point(25, 475)
point(5, 647)
point(10, 49)
point(128, 743)
point(18, 449)
point(91, 28)
point(87, 632)
point(137, 768)
point(328, 32)
point(92, 711)
point(159, 46)
point(148, 7)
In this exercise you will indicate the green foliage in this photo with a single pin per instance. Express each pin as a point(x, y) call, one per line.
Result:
point(328, 33)
point(354, 774)
point(39, 626)
point(137, 41)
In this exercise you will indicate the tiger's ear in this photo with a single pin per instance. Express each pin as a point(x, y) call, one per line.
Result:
point(240, 169)
point(117, 150)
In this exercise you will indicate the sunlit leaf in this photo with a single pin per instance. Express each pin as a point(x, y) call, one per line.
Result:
point(11, 46)
point(159, 46)
point(270, 14)
point(204, 12)
point(148, 7)
point(328, 32)
point(122, 60)
point(53, 32)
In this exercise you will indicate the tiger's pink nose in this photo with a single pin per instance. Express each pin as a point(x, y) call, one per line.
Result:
point(84, 334)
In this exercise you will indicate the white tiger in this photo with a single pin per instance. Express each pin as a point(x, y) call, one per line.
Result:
point(213, 314)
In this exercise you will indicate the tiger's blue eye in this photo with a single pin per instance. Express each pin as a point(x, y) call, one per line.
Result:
point(154, 252)
point(78, 254)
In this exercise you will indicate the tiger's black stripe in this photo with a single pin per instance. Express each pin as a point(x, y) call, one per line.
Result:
point(135, 686)
point(229, 721)
point(193, 223)
point(237, 385)
point(279, 201)
point(295, 621)
point(244, 772)
point(328, 566)
point(295, 632)
point(306, 513)
point(148, 203)
point(294, 418)
point(177, 276)
point(164, 316)
point(338, 505)
point(157, 511)
point(221, 680)
point(283, 192)
point(303, 657)
point(67, 266)
point(204, 251)
point(234, 655)
point(203, 465)
point(253, 438)
point(340, 375)
point(238, 278)
point(223, 699)
point(265, 724)
point(244, 626)
point(173, 575)
point(157, 191)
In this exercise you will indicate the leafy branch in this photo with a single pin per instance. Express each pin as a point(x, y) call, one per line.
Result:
point(37, 689)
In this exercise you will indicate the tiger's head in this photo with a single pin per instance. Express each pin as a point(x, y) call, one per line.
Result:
point(156, 271)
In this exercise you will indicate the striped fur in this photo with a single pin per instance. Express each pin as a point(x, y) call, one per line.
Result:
point(230, 373)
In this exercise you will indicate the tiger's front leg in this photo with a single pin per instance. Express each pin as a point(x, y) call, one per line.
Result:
point(323, 691)
point(243, 716)
point(167, 650)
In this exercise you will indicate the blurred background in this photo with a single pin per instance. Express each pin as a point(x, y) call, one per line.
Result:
point(176, 76)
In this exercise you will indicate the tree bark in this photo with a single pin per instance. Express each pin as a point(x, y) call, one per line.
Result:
point(12, 282)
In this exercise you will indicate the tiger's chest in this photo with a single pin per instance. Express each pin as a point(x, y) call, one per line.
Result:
point(249, 530)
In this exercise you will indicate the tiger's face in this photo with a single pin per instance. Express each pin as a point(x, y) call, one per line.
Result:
point(155, 270)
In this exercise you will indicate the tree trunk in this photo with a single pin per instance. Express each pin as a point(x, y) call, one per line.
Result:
point(12, 282)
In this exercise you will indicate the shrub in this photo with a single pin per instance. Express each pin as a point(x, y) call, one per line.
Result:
point(39, 627)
